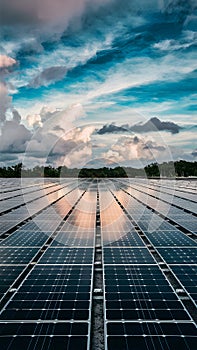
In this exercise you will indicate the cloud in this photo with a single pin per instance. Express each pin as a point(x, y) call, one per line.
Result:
point(5, 101)
point(39, 120)
point(56, 119)
point(16, 116)
point(191, 23)
point(152, 125)
point(71, 149)
point(54, 140)
point(7, 157)
point(14, 137)
point(133, 148)
point(34, 120)
point(6, 62)
point(48, 140)
point(111, 128)
point(138, 151)
point(23, 11)
point(179, 10)
point(186, 41)
point(48, 76)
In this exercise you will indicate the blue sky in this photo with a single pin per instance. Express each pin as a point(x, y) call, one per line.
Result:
point(68, 68)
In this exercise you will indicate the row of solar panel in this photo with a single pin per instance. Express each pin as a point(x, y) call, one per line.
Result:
point(58, 209)
point(181, 202)
point(167, 209)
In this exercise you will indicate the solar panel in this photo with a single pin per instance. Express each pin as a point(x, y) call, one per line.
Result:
point(179, 255)
point(146, 343)
point(123, 239)
point(61, 256)
point(45, 341)
point(118, 255)
point(23, 238)
point(16, 255)
point(170, 238)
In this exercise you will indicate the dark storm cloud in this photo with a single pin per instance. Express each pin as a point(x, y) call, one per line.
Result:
point(111, 128)
point(151, 145)
point(154, 124)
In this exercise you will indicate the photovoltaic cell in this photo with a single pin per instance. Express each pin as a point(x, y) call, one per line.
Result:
point(179, 255)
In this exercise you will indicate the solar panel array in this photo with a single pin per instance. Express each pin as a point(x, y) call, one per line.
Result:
point(148, 263)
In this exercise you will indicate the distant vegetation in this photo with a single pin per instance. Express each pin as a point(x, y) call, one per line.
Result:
point(180, 168)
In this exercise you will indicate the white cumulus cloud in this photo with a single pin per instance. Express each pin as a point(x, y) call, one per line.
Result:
point(6, 61)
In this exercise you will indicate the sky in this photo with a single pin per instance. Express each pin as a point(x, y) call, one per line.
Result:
point(97, 82)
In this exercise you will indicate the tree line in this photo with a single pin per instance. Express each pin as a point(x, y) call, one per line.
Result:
point(179, 168)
